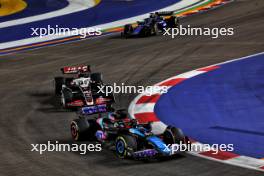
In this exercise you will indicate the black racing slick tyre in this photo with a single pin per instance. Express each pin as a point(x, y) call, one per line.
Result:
point(128, 29)
point(173, 22)
point(176, 22)
point(173, 135)
point(97, 77)
point(145, 32)
point(59, 81)
point(66, 97)
point(79, 128)
point(125, 146)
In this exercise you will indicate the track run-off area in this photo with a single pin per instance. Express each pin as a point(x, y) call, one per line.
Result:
point(212, 107)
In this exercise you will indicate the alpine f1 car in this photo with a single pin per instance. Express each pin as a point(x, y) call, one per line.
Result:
point(128, 138)
point(155, 24)
point(81, 88)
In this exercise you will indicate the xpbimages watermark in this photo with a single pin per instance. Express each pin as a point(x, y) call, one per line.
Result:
point(62, 31)
point(183, 147)
point(214, 33)
point(126, 89)
point(58, 147)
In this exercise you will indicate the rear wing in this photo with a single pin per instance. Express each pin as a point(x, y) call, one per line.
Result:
point(76, 69)
point(164, 13)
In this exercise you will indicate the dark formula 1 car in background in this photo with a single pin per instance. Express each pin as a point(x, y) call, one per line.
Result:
point(153, 25)
point(80, 88)
point(128, 138)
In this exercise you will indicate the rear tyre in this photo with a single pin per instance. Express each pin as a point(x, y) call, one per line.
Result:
point(125, 146)
point(79, 129)
point(97, 77)
point(59, 81)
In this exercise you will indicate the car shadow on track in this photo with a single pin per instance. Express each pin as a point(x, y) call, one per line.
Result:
point(49, 103)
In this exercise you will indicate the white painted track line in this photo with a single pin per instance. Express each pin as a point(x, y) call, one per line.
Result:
point(174, 7)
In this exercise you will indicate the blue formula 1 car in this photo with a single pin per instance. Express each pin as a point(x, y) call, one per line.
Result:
point(128, 138)
point(155, 24)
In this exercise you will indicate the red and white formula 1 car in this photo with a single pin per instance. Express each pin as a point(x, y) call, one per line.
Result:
point(81, 88)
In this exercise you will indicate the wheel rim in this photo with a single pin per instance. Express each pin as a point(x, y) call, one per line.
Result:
point(74, 131)
point(120, 147)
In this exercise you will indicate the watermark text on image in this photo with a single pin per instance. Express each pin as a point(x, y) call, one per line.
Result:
point(63, 31)
point(59, 147)
point(214, 148)
point(214, 33)
point(128, 89)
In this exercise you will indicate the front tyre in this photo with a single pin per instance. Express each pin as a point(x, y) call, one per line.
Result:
point(59, 81)
point(125, 145)
point(66, 97)
point(176, 22)
point(128, 29)
point(173, 135)
point(63, 101)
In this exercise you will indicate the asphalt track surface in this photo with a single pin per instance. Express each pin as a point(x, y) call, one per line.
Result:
point(30, 114)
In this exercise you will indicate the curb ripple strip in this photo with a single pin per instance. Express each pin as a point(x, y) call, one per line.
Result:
point(142, 109)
